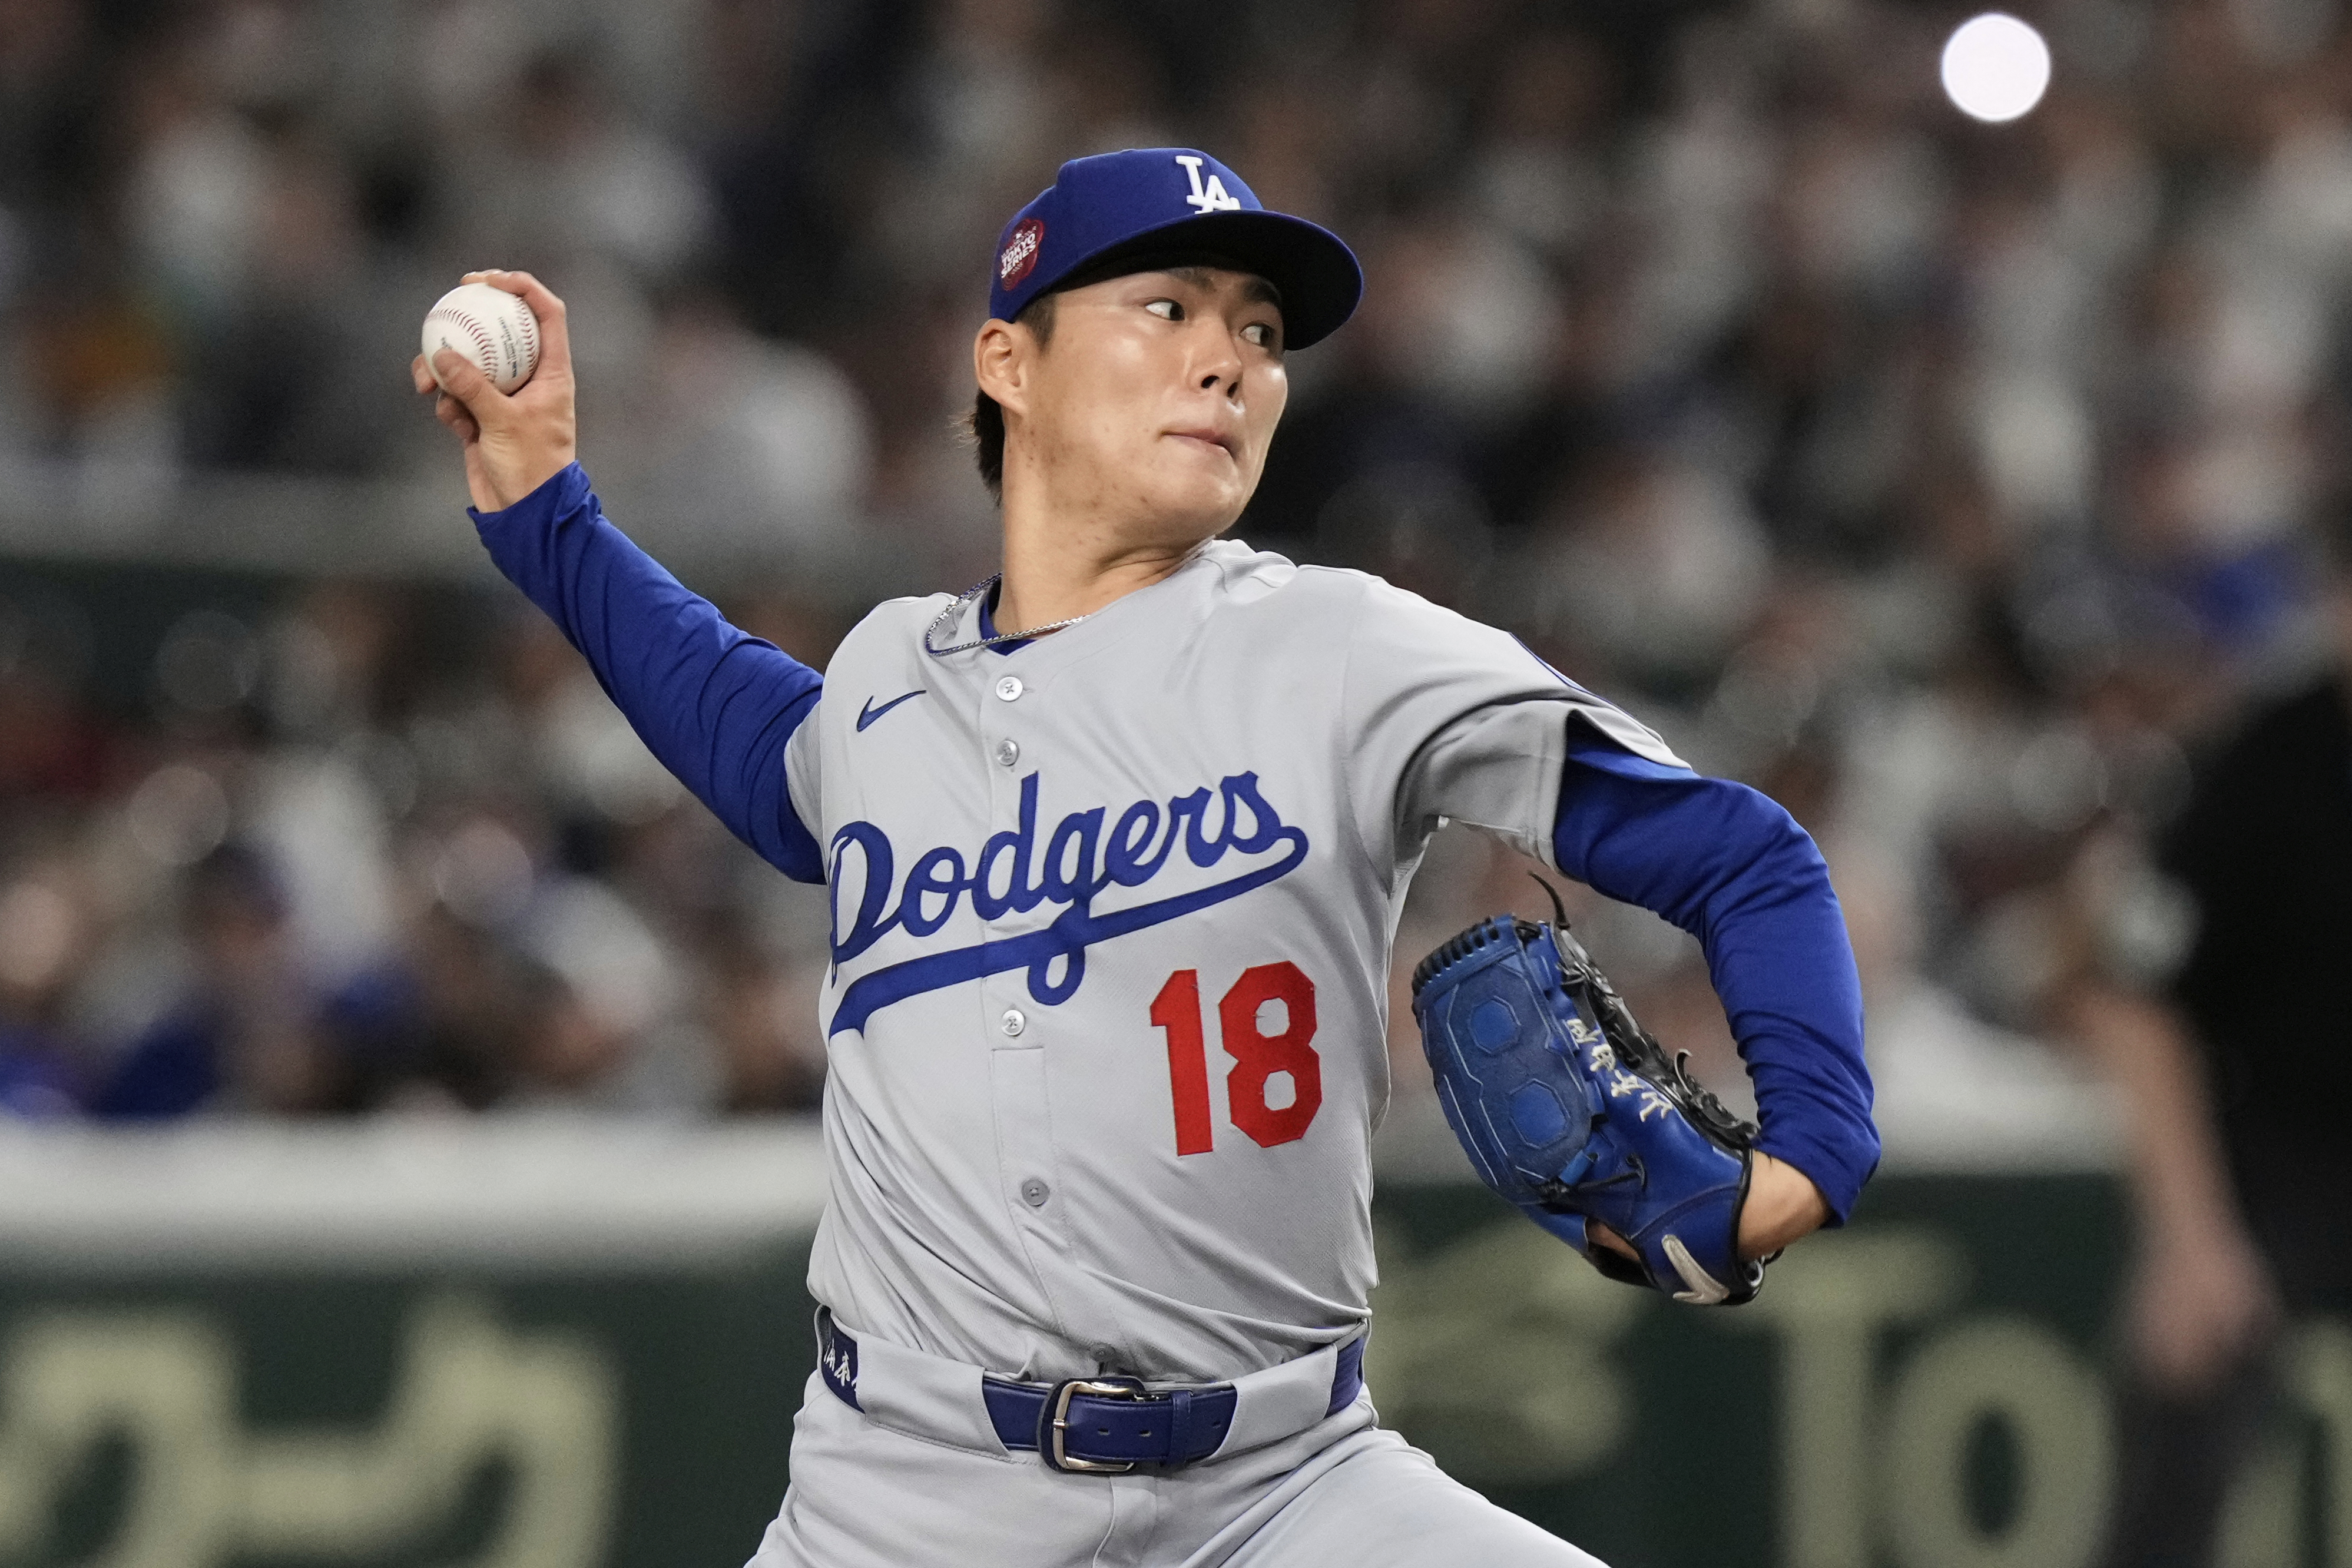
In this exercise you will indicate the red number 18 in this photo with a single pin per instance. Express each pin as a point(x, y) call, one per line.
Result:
point(1257, 1056)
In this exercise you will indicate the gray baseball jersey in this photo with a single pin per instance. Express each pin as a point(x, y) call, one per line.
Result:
point(1111, 927)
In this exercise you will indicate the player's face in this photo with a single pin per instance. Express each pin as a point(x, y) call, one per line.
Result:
point(1156, 399)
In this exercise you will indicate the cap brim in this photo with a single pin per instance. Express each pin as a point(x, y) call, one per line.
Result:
point(1313, 268)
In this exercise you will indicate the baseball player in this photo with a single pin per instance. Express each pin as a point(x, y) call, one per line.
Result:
point(1116, 843)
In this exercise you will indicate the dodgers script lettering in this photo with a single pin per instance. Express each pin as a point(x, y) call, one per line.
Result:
point(1079, 861)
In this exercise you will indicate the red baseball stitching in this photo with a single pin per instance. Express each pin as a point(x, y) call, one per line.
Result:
point(473, 329)
point(476, 329)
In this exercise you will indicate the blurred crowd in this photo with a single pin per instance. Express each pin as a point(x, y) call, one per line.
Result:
point(376, 847)
point(1955, 483)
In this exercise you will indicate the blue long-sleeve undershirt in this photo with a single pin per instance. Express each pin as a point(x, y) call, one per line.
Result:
point(717, 705)
point(1727, 864)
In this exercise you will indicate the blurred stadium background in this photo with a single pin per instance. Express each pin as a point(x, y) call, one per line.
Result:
point(406, 1092)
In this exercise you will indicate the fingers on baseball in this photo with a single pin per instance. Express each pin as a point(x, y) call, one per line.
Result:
point(554, 338)
point(463, 379)
point(452, 413)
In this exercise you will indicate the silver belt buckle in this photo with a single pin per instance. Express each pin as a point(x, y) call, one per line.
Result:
point(1057, 1423)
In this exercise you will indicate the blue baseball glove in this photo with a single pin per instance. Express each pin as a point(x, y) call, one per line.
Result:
point(1571, 1110)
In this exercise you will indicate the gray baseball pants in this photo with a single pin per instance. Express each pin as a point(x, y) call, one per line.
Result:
point(1341, 1493)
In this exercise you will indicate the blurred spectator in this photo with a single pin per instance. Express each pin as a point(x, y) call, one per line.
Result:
point(572, 180)
point(1950, 1088)
point(762, 1017)
point(2264, 850)
point(45, 932)
point(2200, 1302)
point(243, 1036)
point(433, 1028)
point(751, 447)
point(2234, 1101)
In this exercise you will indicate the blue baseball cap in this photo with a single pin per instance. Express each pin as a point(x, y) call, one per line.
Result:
point(1156, 201)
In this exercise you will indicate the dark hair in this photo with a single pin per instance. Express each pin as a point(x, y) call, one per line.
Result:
point(985, 425)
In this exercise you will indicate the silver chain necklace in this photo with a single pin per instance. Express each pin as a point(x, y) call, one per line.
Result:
point(947, 618)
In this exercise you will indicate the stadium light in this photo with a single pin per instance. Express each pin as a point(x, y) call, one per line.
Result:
point(1995, 67)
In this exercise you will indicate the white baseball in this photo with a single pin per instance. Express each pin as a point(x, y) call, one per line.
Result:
point(493, 328)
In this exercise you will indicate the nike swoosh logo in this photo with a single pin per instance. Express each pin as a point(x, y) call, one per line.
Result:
point(870, 713)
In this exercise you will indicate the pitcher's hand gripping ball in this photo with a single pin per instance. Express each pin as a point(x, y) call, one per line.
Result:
point(493, 328)
point(1571, 1111)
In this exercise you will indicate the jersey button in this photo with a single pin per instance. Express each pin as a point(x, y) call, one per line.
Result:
point(1008, 752)
point(1014, 1022)
point(1009, 688)
point(1035, 1193)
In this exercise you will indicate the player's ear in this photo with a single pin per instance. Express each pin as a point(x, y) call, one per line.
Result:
point(1001, 356)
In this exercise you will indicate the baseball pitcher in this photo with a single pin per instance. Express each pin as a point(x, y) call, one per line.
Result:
point(1116, 842)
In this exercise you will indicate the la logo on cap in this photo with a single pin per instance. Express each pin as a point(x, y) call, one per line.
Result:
point(1208, 198)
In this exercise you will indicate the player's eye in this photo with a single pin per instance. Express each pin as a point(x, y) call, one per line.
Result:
point(1167, 309)
point(1261, 335)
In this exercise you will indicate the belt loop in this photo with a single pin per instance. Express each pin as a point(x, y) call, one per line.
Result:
point(1180, 1426)
point(836, 1359)
point(1347, 1375)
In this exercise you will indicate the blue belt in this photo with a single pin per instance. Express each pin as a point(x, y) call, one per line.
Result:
point(1098, 1425)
